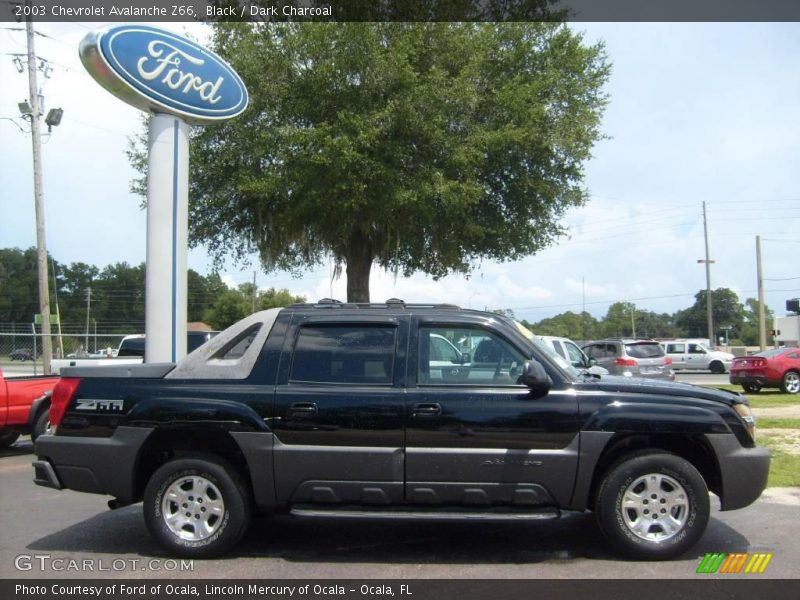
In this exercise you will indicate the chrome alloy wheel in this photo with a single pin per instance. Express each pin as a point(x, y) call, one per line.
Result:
point(192, 508)
point(791, 382)
point(655, 507)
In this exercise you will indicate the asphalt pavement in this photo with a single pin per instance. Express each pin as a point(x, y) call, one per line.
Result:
point(65, 534)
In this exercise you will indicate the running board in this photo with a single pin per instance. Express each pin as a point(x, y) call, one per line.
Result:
point(427, 514)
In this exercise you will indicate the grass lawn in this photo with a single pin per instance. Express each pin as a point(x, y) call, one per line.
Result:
point(772, 423)
point(784, 468)
point(765, 398)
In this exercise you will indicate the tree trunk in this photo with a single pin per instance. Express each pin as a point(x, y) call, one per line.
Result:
point(359, 265)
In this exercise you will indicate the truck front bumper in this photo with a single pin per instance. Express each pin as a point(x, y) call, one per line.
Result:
point(97, 465)
point(743, 471)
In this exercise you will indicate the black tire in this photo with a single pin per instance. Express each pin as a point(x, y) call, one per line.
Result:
point(40, 426)
point(632, 531)
point(219, 484)
point(717, 367)
point(7, 438)
point(790, 383)
point(751, 388)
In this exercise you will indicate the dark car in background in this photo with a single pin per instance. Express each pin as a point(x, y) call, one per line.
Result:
point(631, 357)
point(21, 354)
point(776, 368)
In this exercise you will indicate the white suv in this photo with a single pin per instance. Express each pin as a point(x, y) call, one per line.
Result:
point(687, 354)
point(569, 351)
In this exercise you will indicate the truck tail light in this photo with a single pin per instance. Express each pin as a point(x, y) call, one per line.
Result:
point(667, 360)
point(625, 362)
point(62, 394)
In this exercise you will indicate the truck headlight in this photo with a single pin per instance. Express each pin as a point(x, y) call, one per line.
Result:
point(743, 410)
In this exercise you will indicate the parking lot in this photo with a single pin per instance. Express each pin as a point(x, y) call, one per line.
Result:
point(44, 529)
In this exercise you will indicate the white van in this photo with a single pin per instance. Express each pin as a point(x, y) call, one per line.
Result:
point(694, 354)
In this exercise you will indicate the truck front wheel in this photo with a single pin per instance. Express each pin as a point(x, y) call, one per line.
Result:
point(197, 508)
point(652, 506)
point(40, 427)
point(7, 437)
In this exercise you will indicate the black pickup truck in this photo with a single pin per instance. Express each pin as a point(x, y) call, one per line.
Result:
point(396, 411)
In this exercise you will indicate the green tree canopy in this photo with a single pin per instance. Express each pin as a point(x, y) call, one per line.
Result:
point(417, 147)
point(726, 309)
point(576, 326)
point(235, 304)
point(749, 331)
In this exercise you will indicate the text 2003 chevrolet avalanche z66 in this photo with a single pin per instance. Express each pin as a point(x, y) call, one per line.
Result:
point(361, 411)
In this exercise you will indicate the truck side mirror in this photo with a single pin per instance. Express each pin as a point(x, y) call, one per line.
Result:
point(465, 358)
point(535, 377)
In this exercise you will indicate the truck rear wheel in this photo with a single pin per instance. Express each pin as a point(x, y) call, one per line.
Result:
point(717, 367)
point(652, 506)
point(197, 508)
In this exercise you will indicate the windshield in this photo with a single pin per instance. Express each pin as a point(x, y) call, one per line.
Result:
point(772, 352)
point(547, 349)
point(644, 350)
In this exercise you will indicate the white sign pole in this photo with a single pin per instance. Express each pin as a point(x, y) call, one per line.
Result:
point(167, 236)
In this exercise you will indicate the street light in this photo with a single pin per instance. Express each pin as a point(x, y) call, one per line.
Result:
point(53, 118)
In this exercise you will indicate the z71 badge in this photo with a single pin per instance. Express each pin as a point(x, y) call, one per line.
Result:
point(104, 405)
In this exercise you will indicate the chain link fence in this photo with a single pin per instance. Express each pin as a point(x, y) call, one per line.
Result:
point(19, 347)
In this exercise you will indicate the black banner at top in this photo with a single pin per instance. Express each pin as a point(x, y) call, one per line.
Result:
point(398, 10)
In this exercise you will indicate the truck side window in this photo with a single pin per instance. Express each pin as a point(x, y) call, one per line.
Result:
point(485, 357)
point(676, 348)
point(344, 354)
point(696, 349)
point(235, 349)
point(575, 355)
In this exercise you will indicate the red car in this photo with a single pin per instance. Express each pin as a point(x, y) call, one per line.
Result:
point(778, 368)
point(24, 406)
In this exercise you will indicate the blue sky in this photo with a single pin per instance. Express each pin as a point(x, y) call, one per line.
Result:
point(698, 112)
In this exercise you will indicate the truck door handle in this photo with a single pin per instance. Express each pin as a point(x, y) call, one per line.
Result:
point(426, 410)
point(303, 409)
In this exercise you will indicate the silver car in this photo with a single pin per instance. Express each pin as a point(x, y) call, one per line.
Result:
point(631, 357)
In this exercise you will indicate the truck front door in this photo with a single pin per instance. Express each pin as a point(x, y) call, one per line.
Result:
point(474, 436)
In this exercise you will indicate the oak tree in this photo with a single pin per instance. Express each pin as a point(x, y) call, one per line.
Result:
point(417, 147)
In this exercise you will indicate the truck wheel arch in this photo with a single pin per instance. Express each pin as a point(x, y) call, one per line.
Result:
point(166, 444)
point(38, 406)
point(693, 449)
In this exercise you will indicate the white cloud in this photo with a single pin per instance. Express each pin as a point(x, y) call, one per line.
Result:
point(698, 112)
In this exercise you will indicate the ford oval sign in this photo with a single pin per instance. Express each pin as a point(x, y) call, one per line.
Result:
point(159, 71)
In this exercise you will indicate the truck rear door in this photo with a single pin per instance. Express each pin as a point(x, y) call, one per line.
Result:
point(339, 411)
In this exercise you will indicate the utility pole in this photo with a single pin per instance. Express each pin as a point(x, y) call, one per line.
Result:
point(708, 262)
point(583, 307)
point(58, 312)
point(41, 242)
point(88, 311)
point(762, 320)
point(254, 293)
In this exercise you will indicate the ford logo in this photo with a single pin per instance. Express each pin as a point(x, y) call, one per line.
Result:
point(159, 71)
